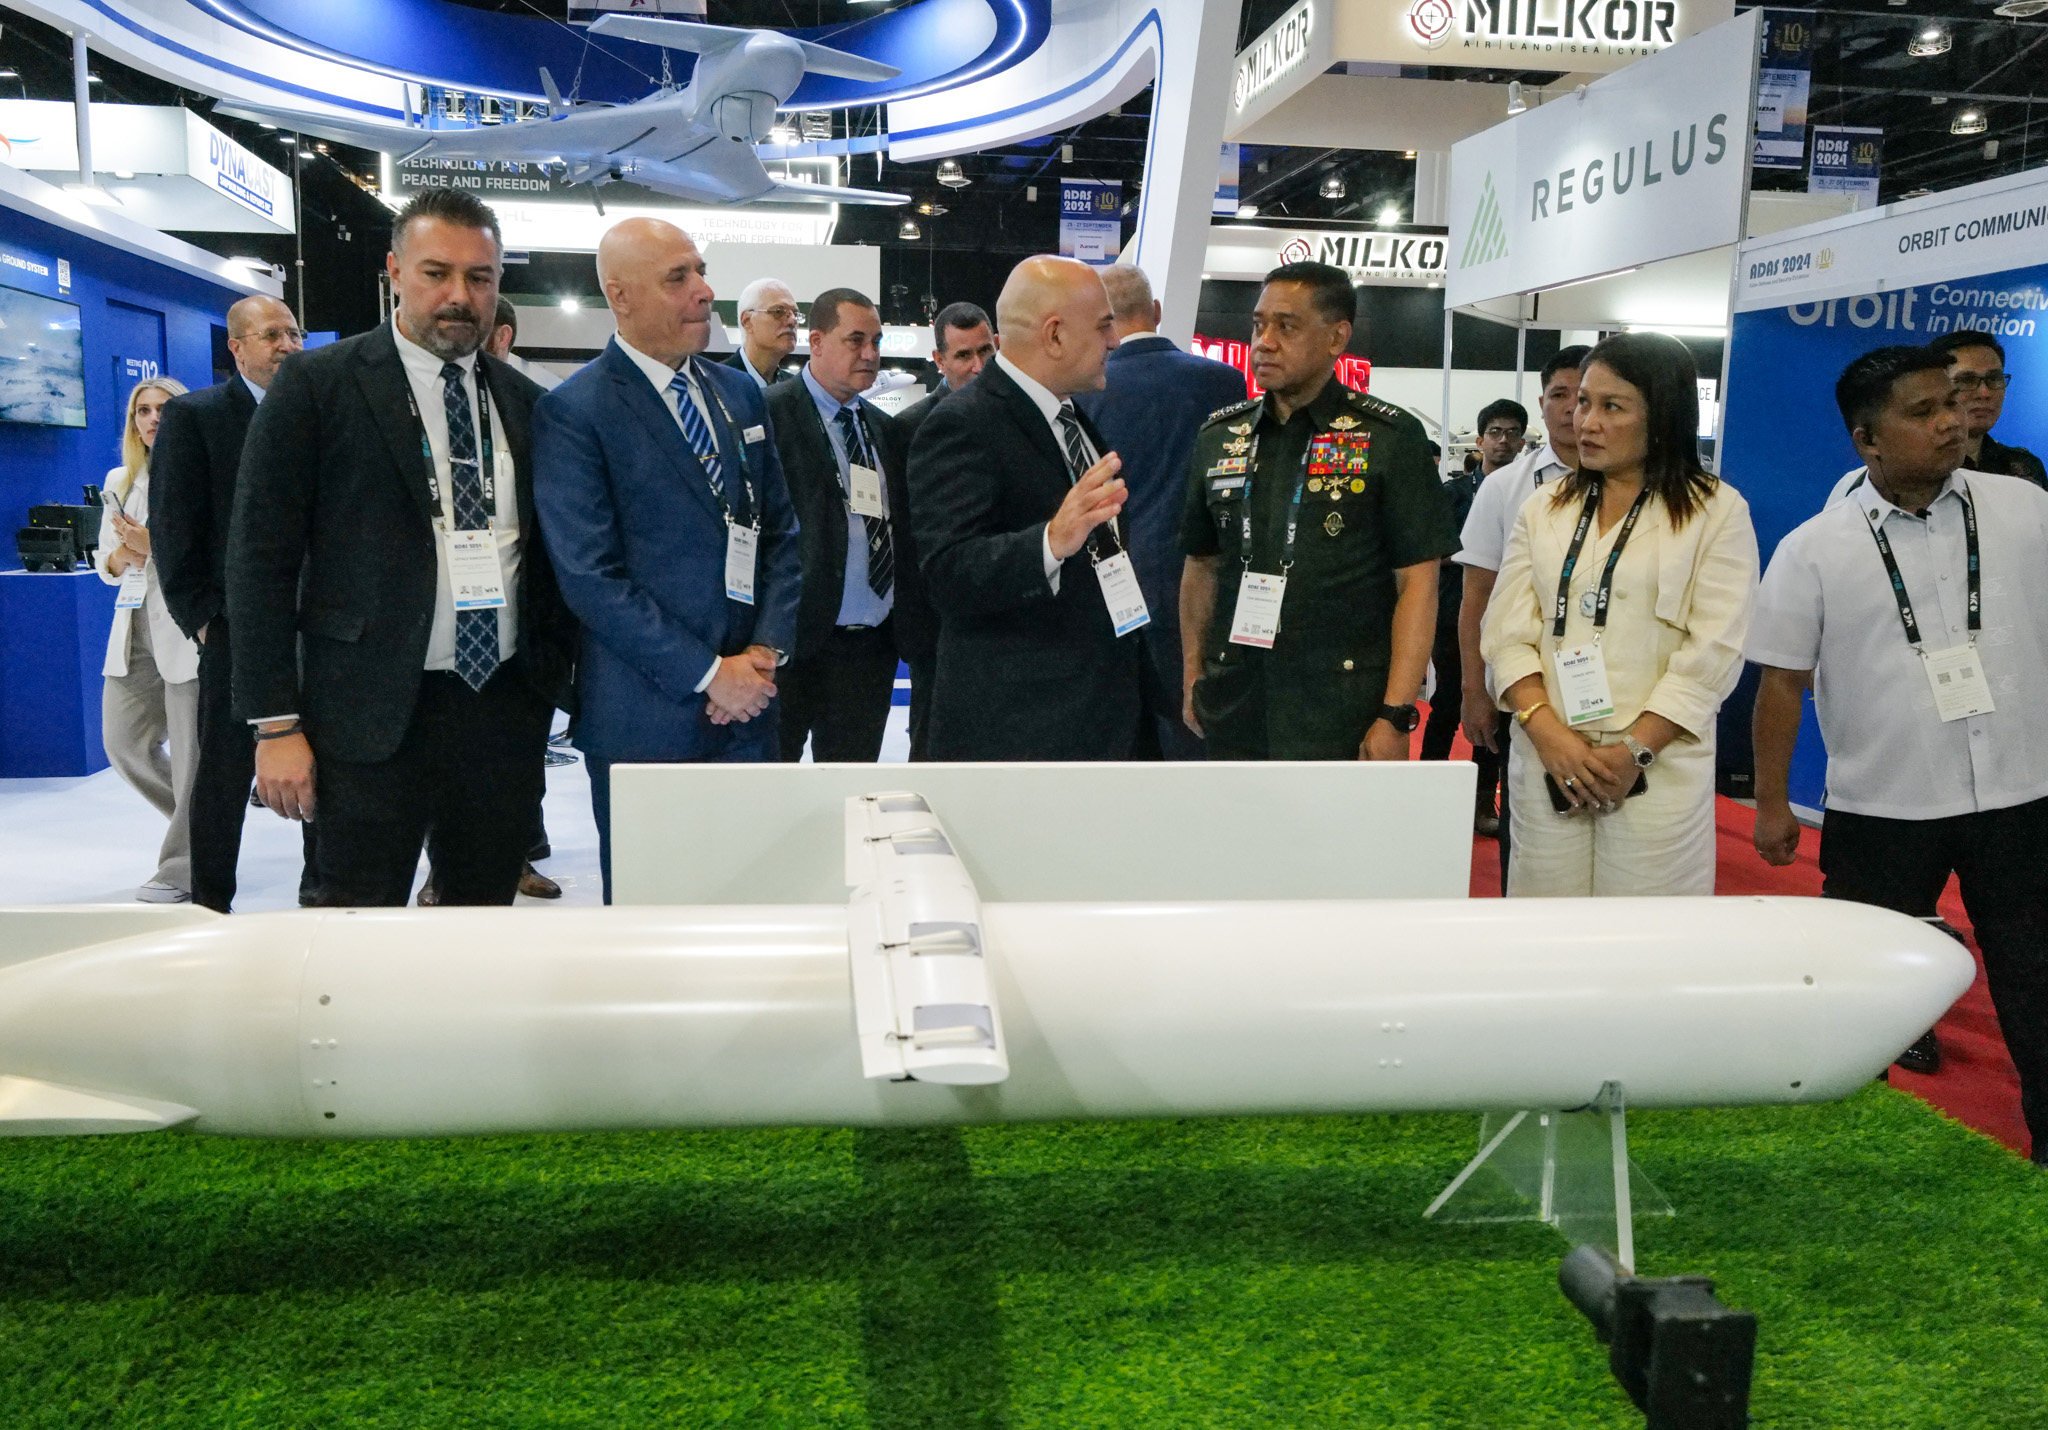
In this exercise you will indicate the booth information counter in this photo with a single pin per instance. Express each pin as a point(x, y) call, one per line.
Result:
point(53, 640)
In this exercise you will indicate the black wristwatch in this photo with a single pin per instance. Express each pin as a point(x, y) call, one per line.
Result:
point(1402, 717)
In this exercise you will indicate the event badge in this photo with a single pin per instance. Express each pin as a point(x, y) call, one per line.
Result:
point(1582, 684)
point(864, 490)
point(754, 434)
point(1957, 677)
point(133, 584)
point(1257, 621)
point(476, 578)
point(1119, 580)
point(742, 543)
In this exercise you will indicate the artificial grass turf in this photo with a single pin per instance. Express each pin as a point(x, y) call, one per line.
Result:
point(1268, 1272)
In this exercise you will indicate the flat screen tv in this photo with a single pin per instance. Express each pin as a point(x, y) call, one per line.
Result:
point(42, 361)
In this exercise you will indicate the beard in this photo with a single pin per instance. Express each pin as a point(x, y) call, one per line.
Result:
point(438, 335)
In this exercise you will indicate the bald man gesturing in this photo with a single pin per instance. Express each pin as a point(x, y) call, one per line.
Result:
point(1016, 503)
point(663, 505)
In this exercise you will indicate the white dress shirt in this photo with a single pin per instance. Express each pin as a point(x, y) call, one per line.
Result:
point(423, 371)
point(1498, 501)
point(1049, 406)
point(1852, 480)
point(1827, 606)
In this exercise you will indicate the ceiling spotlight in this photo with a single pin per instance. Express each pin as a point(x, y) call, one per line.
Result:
point(1931, 40)
point(1969, 121)
point(1515, 102)
point(1390, 216)
point(908, 229)
point(307, 154)
point(1407, 153)
point(94, 79)
point(1247, 210)
point(1333, 187)
point(570, 305)
point(930, 208)
point(2021, 9)
point(951, 174)
point(10, 74)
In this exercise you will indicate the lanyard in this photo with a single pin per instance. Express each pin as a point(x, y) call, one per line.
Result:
point(488, 474)
point(731, 426)
point(1973, 575)
point(1571, 562)
point(1293, 506)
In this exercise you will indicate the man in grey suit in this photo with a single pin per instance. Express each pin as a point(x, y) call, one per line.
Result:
point(1154, 399)
point(768, 318)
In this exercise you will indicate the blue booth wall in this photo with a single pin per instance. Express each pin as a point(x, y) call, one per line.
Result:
point(1784, 446)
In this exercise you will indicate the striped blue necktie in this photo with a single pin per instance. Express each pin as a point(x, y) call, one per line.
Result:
point(696, 432)
point(476, 632)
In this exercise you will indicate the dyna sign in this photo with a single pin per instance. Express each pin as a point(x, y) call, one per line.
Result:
point(1272, 55)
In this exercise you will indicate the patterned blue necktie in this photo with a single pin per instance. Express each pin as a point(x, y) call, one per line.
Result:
point(696, 432)
point(881, 552)
point(476, 632)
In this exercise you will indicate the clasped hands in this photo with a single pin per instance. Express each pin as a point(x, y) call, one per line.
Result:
point(1591, 776)
point(742, 686)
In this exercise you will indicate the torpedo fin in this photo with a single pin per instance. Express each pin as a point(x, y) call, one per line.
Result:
point(29, 1108)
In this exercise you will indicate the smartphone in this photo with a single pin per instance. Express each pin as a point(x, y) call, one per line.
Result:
point(1564, 806)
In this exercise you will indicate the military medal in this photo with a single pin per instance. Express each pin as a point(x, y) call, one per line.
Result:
point(1315, 484)
point(1241, 429)
point(1333, 523)
point(1238, 447)
point(1357, 486)
point(1343, 423)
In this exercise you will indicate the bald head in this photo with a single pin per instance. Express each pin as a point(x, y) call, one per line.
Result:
point(1130, 299)
point(262, 333)
point(653, 278)
point(1056, 324)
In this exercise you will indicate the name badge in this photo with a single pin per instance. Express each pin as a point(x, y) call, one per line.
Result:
point(864, 490)
point(754, 434)
point(1119, 581)
point(476, 578)
point(1224, 485)
point(742, 545)
point(1956, 676)
point(134, 583)
point(1582, 684)
point(1257, 621)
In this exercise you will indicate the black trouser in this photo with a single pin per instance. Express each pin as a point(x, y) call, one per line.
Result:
point(924, 670)
point(220, 784)
point(469, 767)
point(1904, 864)
point(837, 693)
point(1446, 707)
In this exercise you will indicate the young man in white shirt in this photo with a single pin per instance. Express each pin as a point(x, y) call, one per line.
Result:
point(1917, 610)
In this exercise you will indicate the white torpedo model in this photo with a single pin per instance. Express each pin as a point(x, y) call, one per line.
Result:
point(916, 1003)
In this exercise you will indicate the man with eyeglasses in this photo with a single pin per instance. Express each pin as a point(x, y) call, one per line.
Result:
point(1976, 365)
point(192, 479)
point(768, 319)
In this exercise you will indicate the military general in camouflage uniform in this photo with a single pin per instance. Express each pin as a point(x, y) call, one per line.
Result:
point(1326, 665)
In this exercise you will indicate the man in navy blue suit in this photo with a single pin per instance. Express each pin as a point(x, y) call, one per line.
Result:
point(1155, 400)
point(663, 505)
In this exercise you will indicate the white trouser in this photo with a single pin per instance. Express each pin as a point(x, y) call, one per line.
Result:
point(1659, 842)
point(139, 715)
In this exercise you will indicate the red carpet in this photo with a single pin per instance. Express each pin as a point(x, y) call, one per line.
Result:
point(1976, 1085)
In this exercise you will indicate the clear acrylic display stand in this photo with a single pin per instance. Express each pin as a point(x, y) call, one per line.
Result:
point(1570, 1169)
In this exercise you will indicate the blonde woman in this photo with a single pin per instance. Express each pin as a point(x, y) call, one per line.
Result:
point(151, 696)
point(1615, 632)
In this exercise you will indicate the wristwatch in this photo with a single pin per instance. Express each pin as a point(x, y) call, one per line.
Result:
point(1642, 754)
point(1402, 717)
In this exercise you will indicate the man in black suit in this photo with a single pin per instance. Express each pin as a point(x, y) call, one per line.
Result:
point(1154, 400)
point(768, 315)
point(963, 342)
point(192, 480)
point(407, 680)
point(1015, 501)
point(841, 457)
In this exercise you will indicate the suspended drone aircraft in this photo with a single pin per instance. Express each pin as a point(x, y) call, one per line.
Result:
point(696, 142)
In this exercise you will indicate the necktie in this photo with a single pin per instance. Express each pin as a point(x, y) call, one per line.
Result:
point(697, 433)
point(476, 632)
point(1078, 461)
point(881, 552)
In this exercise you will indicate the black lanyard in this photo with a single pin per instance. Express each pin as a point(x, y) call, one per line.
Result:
point(1293, 506)
point(696, 379)
point(1571, 562)
point(488, 473)
point(1974, 576)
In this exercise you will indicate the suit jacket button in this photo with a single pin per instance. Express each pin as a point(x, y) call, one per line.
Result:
point(1347, 665)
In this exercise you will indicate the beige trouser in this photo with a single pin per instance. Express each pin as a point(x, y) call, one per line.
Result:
point(1659, 843)
point(139, 715)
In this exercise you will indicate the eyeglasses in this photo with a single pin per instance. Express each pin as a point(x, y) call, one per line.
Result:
point(781, 312)
point(1989, 381)
point(274, 336)
point(1499, 432)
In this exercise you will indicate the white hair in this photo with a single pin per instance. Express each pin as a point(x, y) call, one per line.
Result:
point(750, 296)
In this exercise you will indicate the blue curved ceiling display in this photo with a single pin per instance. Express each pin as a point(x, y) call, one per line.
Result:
point(936, 44)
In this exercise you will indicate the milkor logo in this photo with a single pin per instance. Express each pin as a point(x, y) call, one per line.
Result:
point(1488, 239)
point(1431, 22)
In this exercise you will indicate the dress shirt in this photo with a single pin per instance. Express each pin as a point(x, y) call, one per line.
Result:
point(1827, 606)
point(858, 603)
point(761, 380)
point(661, 375)
point(1496, 503)
point(1049, 406)
point(423, 372)
point(1680, 609)
point(1852, 480)
point(254, 391)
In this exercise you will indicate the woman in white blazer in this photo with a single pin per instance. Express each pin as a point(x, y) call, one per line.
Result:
point(1615, 632)
point(151, 695)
